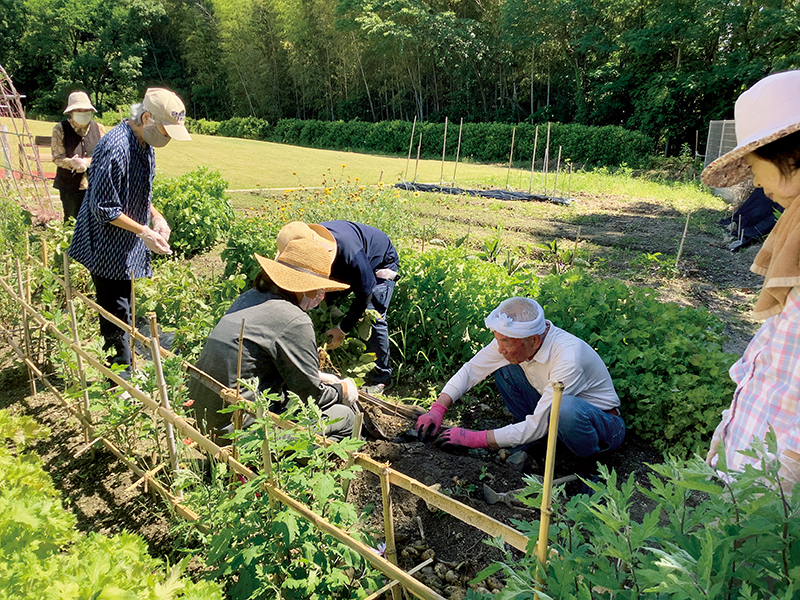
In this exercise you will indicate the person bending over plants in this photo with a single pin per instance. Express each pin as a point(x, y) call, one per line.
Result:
point(367, 261)
point(767, 384)
point(278, 343)
point(527, 356)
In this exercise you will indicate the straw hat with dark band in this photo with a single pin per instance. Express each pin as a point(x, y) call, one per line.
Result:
point(766, 112)
point(303, 266)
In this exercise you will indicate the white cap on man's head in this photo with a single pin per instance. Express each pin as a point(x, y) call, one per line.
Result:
point(168, 110)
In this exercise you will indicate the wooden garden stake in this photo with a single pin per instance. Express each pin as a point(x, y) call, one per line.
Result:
point(162, 390)
point(266, 457)
point(547, 488)
point(419, 150)
point(410, 146)
point(569, 185)
point(546, 166)
point(132, 324)
point(351, 460)
point(458, 151)
point(67, 282)
point(558, 168)
point(81, 371)
point(511, 154)
point(444, 148)
point(45, 257)
point(533, 158)
point(25, 329)
point(683, 238)
point(388, 524)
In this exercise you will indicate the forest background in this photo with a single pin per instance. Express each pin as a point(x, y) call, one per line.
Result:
point(662, 67)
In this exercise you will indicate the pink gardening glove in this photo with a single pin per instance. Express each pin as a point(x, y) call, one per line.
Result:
point(429, 423)
point(456, 436)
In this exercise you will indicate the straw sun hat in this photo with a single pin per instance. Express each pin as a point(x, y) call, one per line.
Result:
point(303, 263)
point(766, 112)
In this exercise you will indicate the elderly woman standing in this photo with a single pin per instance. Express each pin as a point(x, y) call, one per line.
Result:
point(278, 342)
point(767, 383)
point(72, 145)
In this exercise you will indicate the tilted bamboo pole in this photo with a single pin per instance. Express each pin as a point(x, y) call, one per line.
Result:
point(132, 339)
point(547, 487)
point(410, 146)
point(444, 148)
point(511, 155)
point(26, 332)
point(162, 389)
point(419, 150)
point(85, 403)
point(558, 169)
point(458, 151)
point(388, 523)
point(533, 159)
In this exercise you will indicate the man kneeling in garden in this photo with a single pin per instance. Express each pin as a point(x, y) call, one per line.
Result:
point(527, 356)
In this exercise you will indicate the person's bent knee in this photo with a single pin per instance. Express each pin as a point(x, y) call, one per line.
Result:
point(345, 419)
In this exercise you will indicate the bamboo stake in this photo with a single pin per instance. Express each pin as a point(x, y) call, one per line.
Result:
point(132, 324)
point(546, 166)
point(388, 524)
point(683, 238)
point(379, 593)
point(162, 391)
point(444, 147)
point(237, 414)
point(511, 155)
point(25, 329)
point(359, 423)
point(533, 158)
point(419, 150)
point(558, 168)
point(458, 151)
point(66, 284)
point(45, 257)
point(410, 146)
point(547, 488)
point(85, 403)
point(569, 185)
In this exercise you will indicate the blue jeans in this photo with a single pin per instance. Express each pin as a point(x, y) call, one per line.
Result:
point(379, 338)
point(582, 427)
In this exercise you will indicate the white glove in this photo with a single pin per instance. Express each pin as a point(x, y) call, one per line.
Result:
point(154, 241)
point(790, 470)
point(78, 164)
point(161, 227)
point(350, 392)
point(337, 337)
point(329, 378)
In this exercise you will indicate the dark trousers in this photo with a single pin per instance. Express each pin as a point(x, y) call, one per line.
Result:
point(582, 427)
point(71, 202)
point(114, 295)
point(379, 338)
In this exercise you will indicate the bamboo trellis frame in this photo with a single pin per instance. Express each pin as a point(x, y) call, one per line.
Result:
point(159, 407)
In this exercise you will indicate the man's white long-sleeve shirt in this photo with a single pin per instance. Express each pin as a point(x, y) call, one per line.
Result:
point(562, 357)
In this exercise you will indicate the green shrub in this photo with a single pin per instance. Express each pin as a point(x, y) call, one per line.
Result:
point(705, 538)
point(248, 236)
point(202, 126)
point(196, 208)
point(666, 361)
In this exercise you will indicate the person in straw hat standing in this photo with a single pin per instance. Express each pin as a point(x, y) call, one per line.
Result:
point(113, 238)
point(278, 343)
point(71, 146)
point(767, 392)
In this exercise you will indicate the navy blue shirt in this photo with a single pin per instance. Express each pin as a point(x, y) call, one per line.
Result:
point(360, 251)
point(120, 181)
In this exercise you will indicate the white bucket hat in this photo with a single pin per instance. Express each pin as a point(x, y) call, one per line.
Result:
point(766, 112)
point(79, 100)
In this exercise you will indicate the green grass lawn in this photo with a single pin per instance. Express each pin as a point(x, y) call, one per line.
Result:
point(251, 164)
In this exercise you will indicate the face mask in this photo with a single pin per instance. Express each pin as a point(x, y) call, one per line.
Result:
point(307, 303)
point(82, 118)
point(153, 136)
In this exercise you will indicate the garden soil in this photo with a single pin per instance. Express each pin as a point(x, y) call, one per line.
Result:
point(100, 490)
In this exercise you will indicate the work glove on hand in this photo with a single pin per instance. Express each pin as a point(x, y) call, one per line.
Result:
point(154, 241)
point(456, 436)
point(78, 164)
point(428, 424)
point(328, 378)
point(338, 337)
point(350, 390)
point(161, 227)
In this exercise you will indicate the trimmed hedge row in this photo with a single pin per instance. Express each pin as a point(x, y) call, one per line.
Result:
point(609, 146)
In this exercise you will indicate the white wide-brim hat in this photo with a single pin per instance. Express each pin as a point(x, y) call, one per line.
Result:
point(766, 112)
point(77, 101)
